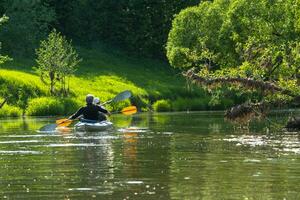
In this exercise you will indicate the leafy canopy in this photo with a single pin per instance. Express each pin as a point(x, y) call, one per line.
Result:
point(29, 22)
point(3, 58)
point(257, 39)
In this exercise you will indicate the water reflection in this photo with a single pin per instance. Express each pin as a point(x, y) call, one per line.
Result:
point(149, 156)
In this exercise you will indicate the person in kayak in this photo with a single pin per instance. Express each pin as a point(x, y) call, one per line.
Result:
point(102, 116)
point(90, 112)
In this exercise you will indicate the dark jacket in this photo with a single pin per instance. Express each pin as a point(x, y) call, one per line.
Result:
point(90, 111)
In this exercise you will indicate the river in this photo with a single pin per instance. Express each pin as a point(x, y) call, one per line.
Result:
point(194, 155)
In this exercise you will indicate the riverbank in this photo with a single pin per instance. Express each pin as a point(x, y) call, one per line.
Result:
point(104, 73)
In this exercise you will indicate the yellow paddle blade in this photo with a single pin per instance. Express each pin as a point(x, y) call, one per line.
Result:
point(60, 121)
point(67, 123)
point(63, 122)
point(129, 110)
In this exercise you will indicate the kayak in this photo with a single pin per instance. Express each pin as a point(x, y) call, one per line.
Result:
point(98, 126)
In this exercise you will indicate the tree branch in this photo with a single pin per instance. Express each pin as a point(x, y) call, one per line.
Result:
point(246, 82)
point(2, 104)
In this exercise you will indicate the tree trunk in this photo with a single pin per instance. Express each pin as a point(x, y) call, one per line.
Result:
point(52, 82)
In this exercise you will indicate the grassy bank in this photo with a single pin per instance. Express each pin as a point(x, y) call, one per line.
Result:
point(103, 73)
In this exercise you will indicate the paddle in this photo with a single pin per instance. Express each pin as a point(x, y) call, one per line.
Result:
point(119, 97)
point(130, 110)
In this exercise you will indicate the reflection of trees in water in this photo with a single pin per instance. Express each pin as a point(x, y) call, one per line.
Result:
point(142, 158)
point(21, 124)
point(211, 168)
point(184, 122)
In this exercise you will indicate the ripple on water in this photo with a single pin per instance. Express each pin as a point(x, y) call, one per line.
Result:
point(74, 145)
point(20, 152)
point(81, 189)
point(29, 136)
point(134, 182)
point(285, 143)
point(133, 130)
point(19, 141)
point(92, 137)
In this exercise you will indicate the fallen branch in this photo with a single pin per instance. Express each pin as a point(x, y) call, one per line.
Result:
point(246, 82)
point(245, 112)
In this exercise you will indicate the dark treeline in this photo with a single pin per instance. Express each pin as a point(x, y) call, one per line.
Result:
point(137, 26)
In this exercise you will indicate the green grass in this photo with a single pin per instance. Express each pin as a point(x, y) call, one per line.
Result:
point(104, 73)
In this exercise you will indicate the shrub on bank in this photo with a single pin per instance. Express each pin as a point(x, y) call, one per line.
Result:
point(223, 105)
point(70, 105)
point(10, 111)
point(162, 106)
point(46, 106)
point(195, 104)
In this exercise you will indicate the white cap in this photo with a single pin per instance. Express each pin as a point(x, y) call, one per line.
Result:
point(96, 100)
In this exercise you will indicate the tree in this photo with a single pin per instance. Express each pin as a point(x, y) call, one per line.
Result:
point(139, 27)
point(29, 22)
point(3, 58)
point(248, 47)
point(57, 61)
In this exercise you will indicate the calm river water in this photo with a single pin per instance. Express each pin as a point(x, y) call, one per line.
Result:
point(161, 156)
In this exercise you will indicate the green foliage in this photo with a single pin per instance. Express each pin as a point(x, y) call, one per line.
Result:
point(104, 73)
point(162, 106)
point(191, 104)
point(256, 39)
point(10, 111)
point(70, 105)
point(3, 59)
point(46, 106)
point(29, 22)
point(57, 60)
point(140, 27)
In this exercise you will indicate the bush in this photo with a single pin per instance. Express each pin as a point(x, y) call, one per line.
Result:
point(70, 105)
point(10, 111)
point(162, 106)
point(46, 106)
point(140, 101)
point(195, 104)
point(223, 105)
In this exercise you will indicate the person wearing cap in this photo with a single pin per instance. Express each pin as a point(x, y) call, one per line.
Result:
point(90, 112)
point(102, 116)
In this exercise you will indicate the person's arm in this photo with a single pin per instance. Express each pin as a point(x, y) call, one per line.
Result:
point(101, 109)
point(77, 114)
